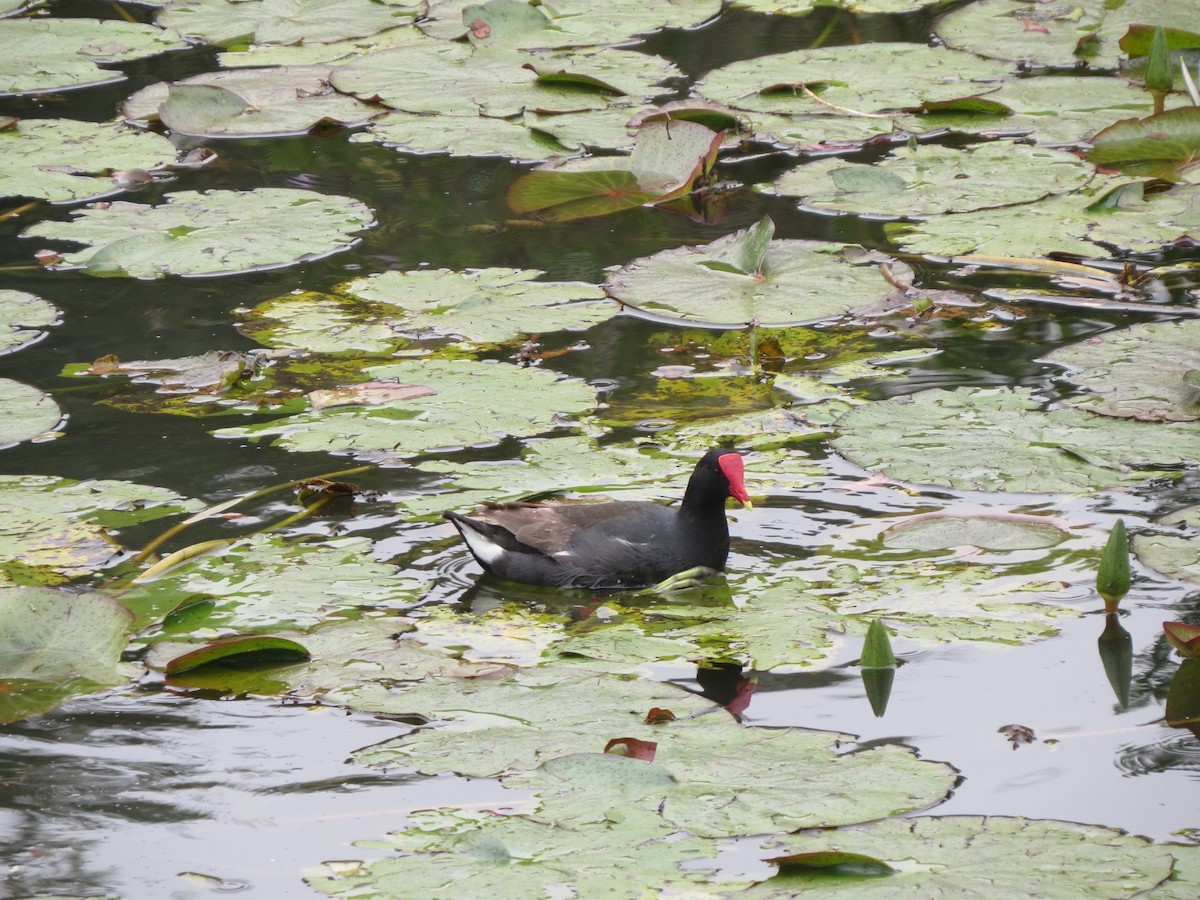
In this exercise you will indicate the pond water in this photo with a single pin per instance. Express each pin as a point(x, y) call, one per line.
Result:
point(154, 791)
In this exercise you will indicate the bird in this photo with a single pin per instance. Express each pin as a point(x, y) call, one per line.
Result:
point(616, 545)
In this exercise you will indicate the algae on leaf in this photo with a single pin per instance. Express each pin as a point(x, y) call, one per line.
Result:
point(208, 233)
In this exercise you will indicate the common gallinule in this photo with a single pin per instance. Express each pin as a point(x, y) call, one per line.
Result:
point(623, 544)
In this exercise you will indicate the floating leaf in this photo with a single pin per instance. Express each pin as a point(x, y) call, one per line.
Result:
point(999, 439)
point(939, 531)
point(800, 281)
point(928, 180)
point(966, 855)
point(22, 315)
point(301, 21)
point(265, 583)
point(210, 233)
point(1172, 135)
point(45, 54)
point(63, 161)
point(1138, 372)
point(250, 102)
point(864, 78)
point(1175, 557)
point(55, 644)
point(25, 412)
point(520, 402)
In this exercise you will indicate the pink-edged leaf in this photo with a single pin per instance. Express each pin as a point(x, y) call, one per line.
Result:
point(632, 748)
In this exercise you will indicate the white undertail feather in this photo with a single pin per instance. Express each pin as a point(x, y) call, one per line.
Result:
point(484, 548)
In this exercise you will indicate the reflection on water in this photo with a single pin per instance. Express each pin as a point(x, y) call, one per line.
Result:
point(124, 794)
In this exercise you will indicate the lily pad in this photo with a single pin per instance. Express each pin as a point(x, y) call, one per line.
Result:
point(240, 649)
point(999, 439)
point(25, 412)
point(25, 315)
point(1087, 31)
point(285, 22)
point(209, 233)
point(928, 180)
point(938, 531)
point(478, 854)
point(484, 306)
point(795, 282)
point(63, 161)
point(578, 23)
point(1149, 372)
point(861, 7)
point(43, 54)
point(863, 78)
point(465, 136)
point(1143, 221)
point(310, 53)
point(57, 528)
point(254, 102)
point(458, 80)
point(970, 855)
point(520, 403)
point(267, 583)
point(1172, 135)
point(56, 644)
point(1174, 556)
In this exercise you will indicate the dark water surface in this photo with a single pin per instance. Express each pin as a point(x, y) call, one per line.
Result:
point(126, 794)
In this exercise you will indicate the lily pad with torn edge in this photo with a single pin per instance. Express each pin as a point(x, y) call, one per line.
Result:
point(64, 161)
point(57, 644)
point(211, 233)
point(1148, 371)
point(57, 528)
point(482, 306)
point(1000, 439)
point(476, 404)
point(247, 103)
point(973, 855)
point(22, 318)
point(742, 279)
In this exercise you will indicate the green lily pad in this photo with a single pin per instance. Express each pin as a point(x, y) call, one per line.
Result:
point(863, 78)
point(1048, 35)
point(928, 180)
point(724, 779)
point(309, 53)
point(520, 403)
point(798, 281)
point(579, 23)
point(969, 855)
point(254, 102)
point(1172, 135)
point(265, 583)
point(209, 233)
point(1149, 372)
point(57, 644)
point(25, 315)
point(1145, 222)
point(57, 528)
point(465, 136)
point(26, 412)
point(479, 854)
point(999, 439)
point(861, 7)
point(43, 54)
point(62, 161)
point(228, 22)
point(242, 650)
point(483, 306)
point(458, 80)
point(1176, 557)
point(938, 531)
